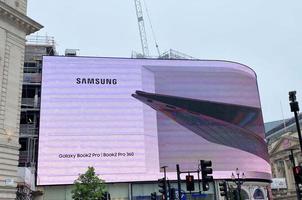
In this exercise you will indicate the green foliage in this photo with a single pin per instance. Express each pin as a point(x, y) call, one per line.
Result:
point(88, 186)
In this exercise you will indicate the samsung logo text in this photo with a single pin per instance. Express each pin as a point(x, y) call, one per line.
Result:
point(96, 81)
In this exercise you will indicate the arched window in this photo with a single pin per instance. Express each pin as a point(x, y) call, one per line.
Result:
point(258, 194)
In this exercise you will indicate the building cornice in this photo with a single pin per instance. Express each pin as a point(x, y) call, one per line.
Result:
point(293, 146)
point(19, 19)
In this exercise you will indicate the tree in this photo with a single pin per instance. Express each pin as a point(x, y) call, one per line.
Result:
point(88, 186)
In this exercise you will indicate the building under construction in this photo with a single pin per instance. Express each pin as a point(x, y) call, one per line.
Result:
point(36, 47)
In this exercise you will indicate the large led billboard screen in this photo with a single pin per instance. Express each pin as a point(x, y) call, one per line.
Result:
point(129, 117)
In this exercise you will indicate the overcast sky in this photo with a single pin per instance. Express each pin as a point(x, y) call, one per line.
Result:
point(265, 35)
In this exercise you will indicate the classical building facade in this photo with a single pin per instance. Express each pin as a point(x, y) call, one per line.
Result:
point(14, 26)
point(283, 142)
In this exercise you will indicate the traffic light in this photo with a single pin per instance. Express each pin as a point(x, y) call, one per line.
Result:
point(172, 194)
point(292, 96)
point(153, 196)
point(162, 184)
point(223, 188)
point(190, 183)
point(294, 105)
point(298, 174)
point(206, 172)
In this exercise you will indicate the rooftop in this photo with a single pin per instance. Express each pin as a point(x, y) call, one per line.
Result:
point(277, 128)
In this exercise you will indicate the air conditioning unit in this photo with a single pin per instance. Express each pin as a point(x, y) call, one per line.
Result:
point(71, 52)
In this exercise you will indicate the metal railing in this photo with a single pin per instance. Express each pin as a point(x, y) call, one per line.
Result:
point(28, 130)
point(32, 78)
point(40, 40)
point(31, 102)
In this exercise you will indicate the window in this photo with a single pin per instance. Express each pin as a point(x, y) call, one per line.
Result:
point(28, 91)
point(27, 118)
point(23, 142)
point(258, 194)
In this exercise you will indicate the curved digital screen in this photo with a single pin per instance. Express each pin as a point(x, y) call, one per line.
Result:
point(129, 117)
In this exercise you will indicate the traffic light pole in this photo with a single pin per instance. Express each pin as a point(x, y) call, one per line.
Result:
point(178, 181)
point(297, 184)
point(165, 173)
point(298, 128)
point(198, 176)
point(294, 107)
point(298, 192)
point(292, 159)
point(297, 189)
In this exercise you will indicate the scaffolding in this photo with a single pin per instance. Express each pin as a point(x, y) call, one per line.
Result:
point(40, 40)
point(168, 55)
point(173, 54)
point(36, 47)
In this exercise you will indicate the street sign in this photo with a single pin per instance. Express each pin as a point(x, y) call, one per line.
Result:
point(278, 183)
point(197, 195)
point(183, 195)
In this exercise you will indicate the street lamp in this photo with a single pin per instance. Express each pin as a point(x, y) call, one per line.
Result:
point(238, 181)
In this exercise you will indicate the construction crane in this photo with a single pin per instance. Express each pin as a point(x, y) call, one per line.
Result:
point(141, 27)
point(171, 54)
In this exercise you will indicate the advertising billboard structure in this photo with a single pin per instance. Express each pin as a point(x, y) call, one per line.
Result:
point(129, 117)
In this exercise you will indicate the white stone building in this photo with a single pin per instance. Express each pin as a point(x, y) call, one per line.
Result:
point(283, 141)
point(14, 26)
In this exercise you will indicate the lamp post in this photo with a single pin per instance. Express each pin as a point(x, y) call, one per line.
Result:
point(294, 107)
point(238, 181)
